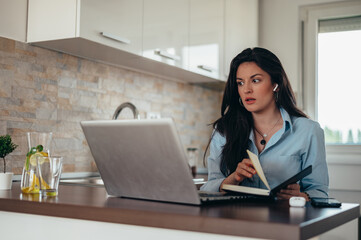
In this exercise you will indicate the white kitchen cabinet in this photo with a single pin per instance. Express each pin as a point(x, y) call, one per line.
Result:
point(67, 228)
point(115, 23)
point(190, 40)
point(165, 31)
point(241, 29)
point(13, 19)
point(206, 37)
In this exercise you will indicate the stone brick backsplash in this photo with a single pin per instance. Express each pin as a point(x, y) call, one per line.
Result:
point(43, 90)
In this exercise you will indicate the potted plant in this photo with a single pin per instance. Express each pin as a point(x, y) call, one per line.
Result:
point(6, 147)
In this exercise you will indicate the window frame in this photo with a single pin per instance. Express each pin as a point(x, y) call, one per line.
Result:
point(309, 18)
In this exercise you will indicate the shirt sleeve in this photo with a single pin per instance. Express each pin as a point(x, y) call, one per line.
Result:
point(215, 176)
point(316, 184)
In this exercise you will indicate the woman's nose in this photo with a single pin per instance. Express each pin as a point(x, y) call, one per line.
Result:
point(247, 88)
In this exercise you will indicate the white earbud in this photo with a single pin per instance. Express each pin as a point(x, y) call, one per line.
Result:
point(275, 87)
point(297, 201)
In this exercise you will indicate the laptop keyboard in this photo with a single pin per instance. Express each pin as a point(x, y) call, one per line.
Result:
point(208, 197)
point(212, 197)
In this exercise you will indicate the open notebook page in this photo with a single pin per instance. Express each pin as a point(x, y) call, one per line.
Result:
point(258, 168)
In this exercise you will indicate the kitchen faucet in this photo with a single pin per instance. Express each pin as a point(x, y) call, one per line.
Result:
point(124, 105)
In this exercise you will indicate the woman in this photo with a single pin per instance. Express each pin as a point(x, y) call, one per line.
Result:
point(259, 113)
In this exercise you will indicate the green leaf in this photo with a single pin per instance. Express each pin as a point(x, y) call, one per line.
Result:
point(39, 148)
point(33, 150)
point(6, 146)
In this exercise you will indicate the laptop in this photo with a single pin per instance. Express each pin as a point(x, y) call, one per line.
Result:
point(145, 159)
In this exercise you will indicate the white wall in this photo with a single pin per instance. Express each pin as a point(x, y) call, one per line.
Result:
point(279, 31)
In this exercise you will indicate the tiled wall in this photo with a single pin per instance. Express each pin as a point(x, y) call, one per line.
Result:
point(43, 90)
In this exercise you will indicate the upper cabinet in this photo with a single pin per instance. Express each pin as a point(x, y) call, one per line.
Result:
point(165, 31)
point(206, 37)
point(49, 20)
point(115, 23)
point(241, 29)
point(13, 19)
point(185, 40)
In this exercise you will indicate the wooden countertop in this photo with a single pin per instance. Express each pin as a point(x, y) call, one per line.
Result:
point(276, 220)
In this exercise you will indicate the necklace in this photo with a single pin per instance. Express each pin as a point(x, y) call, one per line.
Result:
point(263, 141)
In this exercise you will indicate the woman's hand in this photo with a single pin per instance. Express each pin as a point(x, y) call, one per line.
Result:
point(244, 170)
point(291, 191)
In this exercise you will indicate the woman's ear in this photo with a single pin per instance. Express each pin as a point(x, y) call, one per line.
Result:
point(275, 88)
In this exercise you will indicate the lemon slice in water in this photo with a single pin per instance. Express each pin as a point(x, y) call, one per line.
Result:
point(41, 158)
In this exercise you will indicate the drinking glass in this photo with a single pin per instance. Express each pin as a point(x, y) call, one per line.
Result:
point(38, 145)
point(49, 169)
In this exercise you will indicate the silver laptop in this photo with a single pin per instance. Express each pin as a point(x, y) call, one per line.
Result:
point(143, 159)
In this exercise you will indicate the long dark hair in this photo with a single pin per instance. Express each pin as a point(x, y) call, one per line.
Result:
point(236, 123)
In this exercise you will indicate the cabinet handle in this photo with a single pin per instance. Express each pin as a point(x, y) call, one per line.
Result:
point(167, 55)
point(116, 38)
point(206, 68)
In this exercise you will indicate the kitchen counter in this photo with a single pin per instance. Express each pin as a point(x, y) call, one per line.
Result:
point(276, 220)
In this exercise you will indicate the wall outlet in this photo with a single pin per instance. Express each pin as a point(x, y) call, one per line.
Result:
point(153, 115)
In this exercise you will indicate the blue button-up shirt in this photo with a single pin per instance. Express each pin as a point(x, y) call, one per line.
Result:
point(297, 145)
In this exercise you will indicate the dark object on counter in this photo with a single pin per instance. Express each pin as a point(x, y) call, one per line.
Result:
point(194, 171)
point(192, 154)
point(325, 202)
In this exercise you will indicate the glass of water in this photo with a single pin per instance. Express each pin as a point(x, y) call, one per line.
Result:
point(49, 169)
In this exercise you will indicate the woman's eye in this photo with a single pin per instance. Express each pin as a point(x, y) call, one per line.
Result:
point(240, 83)
point(255, 80)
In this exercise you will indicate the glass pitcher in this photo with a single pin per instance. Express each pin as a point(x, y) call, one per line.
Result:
point(38, 147)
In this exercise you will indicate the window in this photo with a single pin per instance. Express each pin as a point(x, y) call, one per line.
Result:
point(339, 79)
point(330, 73)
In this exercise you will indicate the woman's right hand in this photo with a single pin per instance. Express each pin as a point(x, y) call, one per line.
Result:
point(244, 170)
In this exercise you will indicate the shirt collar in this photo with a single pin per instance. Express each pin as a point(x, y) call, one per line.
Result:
point(287, 121)
point(287, 124)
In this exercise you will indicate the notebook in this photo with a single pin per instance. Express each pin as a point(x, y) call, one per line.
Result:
point(145, 159)
point(266, 192)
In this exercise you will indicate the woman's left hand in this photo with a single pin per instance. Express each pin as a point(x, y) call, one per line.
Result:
point(292, 190)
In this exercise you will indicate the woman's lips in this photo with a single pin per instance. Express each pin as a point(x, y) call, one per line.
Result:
point(250, 100)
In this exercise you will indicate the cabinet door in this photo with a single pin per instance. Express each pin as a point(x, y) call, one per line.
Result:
point(165, 31)
point(206, 37)
point(51, 20)
point(116, 23)
point(241, 29)
point(13, 19)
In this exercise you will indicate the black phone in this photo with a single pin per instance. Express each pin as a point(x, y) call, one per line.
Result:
point(325, 202)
